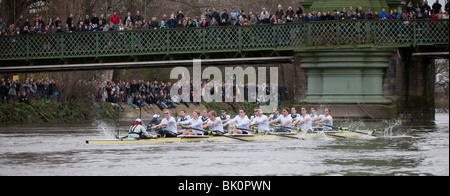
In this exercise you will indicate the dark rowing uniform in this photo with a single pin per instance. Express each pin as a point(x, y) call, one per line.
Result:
point(273, 117)
point(222, 118)
point(182, 119)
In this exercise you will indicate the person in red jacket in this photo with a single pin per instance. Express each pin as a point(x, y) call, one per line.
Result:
point(115, 19)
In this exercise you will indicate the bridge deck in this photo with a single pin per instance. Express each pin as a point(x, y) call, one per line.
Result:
point(216, 40)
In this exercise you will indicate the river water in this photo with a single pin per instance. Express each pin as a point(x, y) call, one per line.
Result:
point(401, 149)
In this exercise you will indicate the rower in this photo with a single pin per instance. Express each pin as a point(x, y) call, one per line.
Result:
point(326, 119)
point(241, 122)
point(205, 117)
point(294, 114)
point(183, 118)
point(314, 117)
point(284, 120)
point(261, 121)
point(215, 123)
point(138, 131)
point(252, 117)
point(170, 123)
point(195, 123)
point(153, 122)
point(313, 113)
point(304, 120)
point(225, 118)
point(275, 115)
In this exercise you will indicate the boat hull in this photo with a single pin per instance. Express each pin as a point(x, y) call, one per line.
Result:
point(256, 137)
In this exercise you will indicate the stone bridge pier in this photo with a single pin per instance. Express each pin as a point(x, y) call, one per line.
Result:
point(370, 83)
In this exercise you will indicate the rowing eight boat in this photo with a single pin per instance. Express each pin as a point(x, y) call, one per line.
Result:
point(250, 137)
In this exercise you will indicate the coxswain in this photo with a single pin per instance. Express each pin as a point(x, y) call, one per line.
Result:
point(241, 123)
point(195, 123)
point(214, 123)
point(326, 119)
point(170, 123)
point(284, 120)
point(138, 131)
point(261, 121)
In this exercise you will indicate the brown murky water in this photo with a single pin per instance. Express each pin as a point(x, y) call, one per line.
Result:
point(401, 149)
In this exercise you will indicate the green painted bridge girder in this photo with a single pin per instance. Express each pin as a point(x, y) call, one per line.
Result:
point(217, 40)
point(345, 76)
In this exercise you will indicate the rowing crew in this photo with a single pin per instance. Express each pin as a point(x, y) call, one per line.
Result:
point(209, 122)
point(304, 120)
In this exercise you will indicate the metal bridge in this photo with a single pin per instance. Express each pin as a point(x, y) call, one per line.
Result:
point(234, 42)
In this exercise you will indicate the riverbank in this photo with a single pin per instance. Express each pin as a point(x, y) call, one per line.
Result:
point(52, 112)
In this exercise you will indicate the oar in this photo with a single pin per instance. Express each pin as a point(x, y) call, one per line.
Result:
point(252, 129)
point(334, 127)
point(298, 129)
point(346, 129)
point(269, 133)
point(291, 128)
point(333, 135)
point(286, 136)
point(218, 134)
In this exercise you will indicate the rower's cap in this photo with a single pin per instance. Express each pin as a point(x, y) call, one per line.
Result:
point(156, 116)
point(139, 120)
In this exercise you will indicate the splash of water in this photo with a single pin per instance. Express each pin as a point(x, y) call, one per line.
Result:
point(354, 124)
point(392, 125)
point(105, 129)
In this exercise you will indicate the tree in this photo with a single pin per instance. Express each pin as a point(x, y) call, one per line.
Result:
point(442, 75)
point(15, 8)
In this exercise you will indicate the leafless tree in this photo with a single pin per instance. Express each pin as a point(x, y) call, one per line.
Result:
point(442, 69)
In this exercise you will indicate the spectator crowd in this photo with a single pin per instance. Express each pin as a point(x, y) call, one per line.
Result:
point(137, 93)
point(214, 18)
point(141, 94)
point(13, 90)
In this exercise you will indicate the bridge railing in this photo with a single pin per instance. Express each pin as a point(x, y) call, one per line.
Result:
point(226, 39)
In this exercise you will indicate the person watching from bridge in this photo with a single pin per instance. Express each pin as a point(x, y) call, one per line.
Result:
point(383, 14)
point(115, 19)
